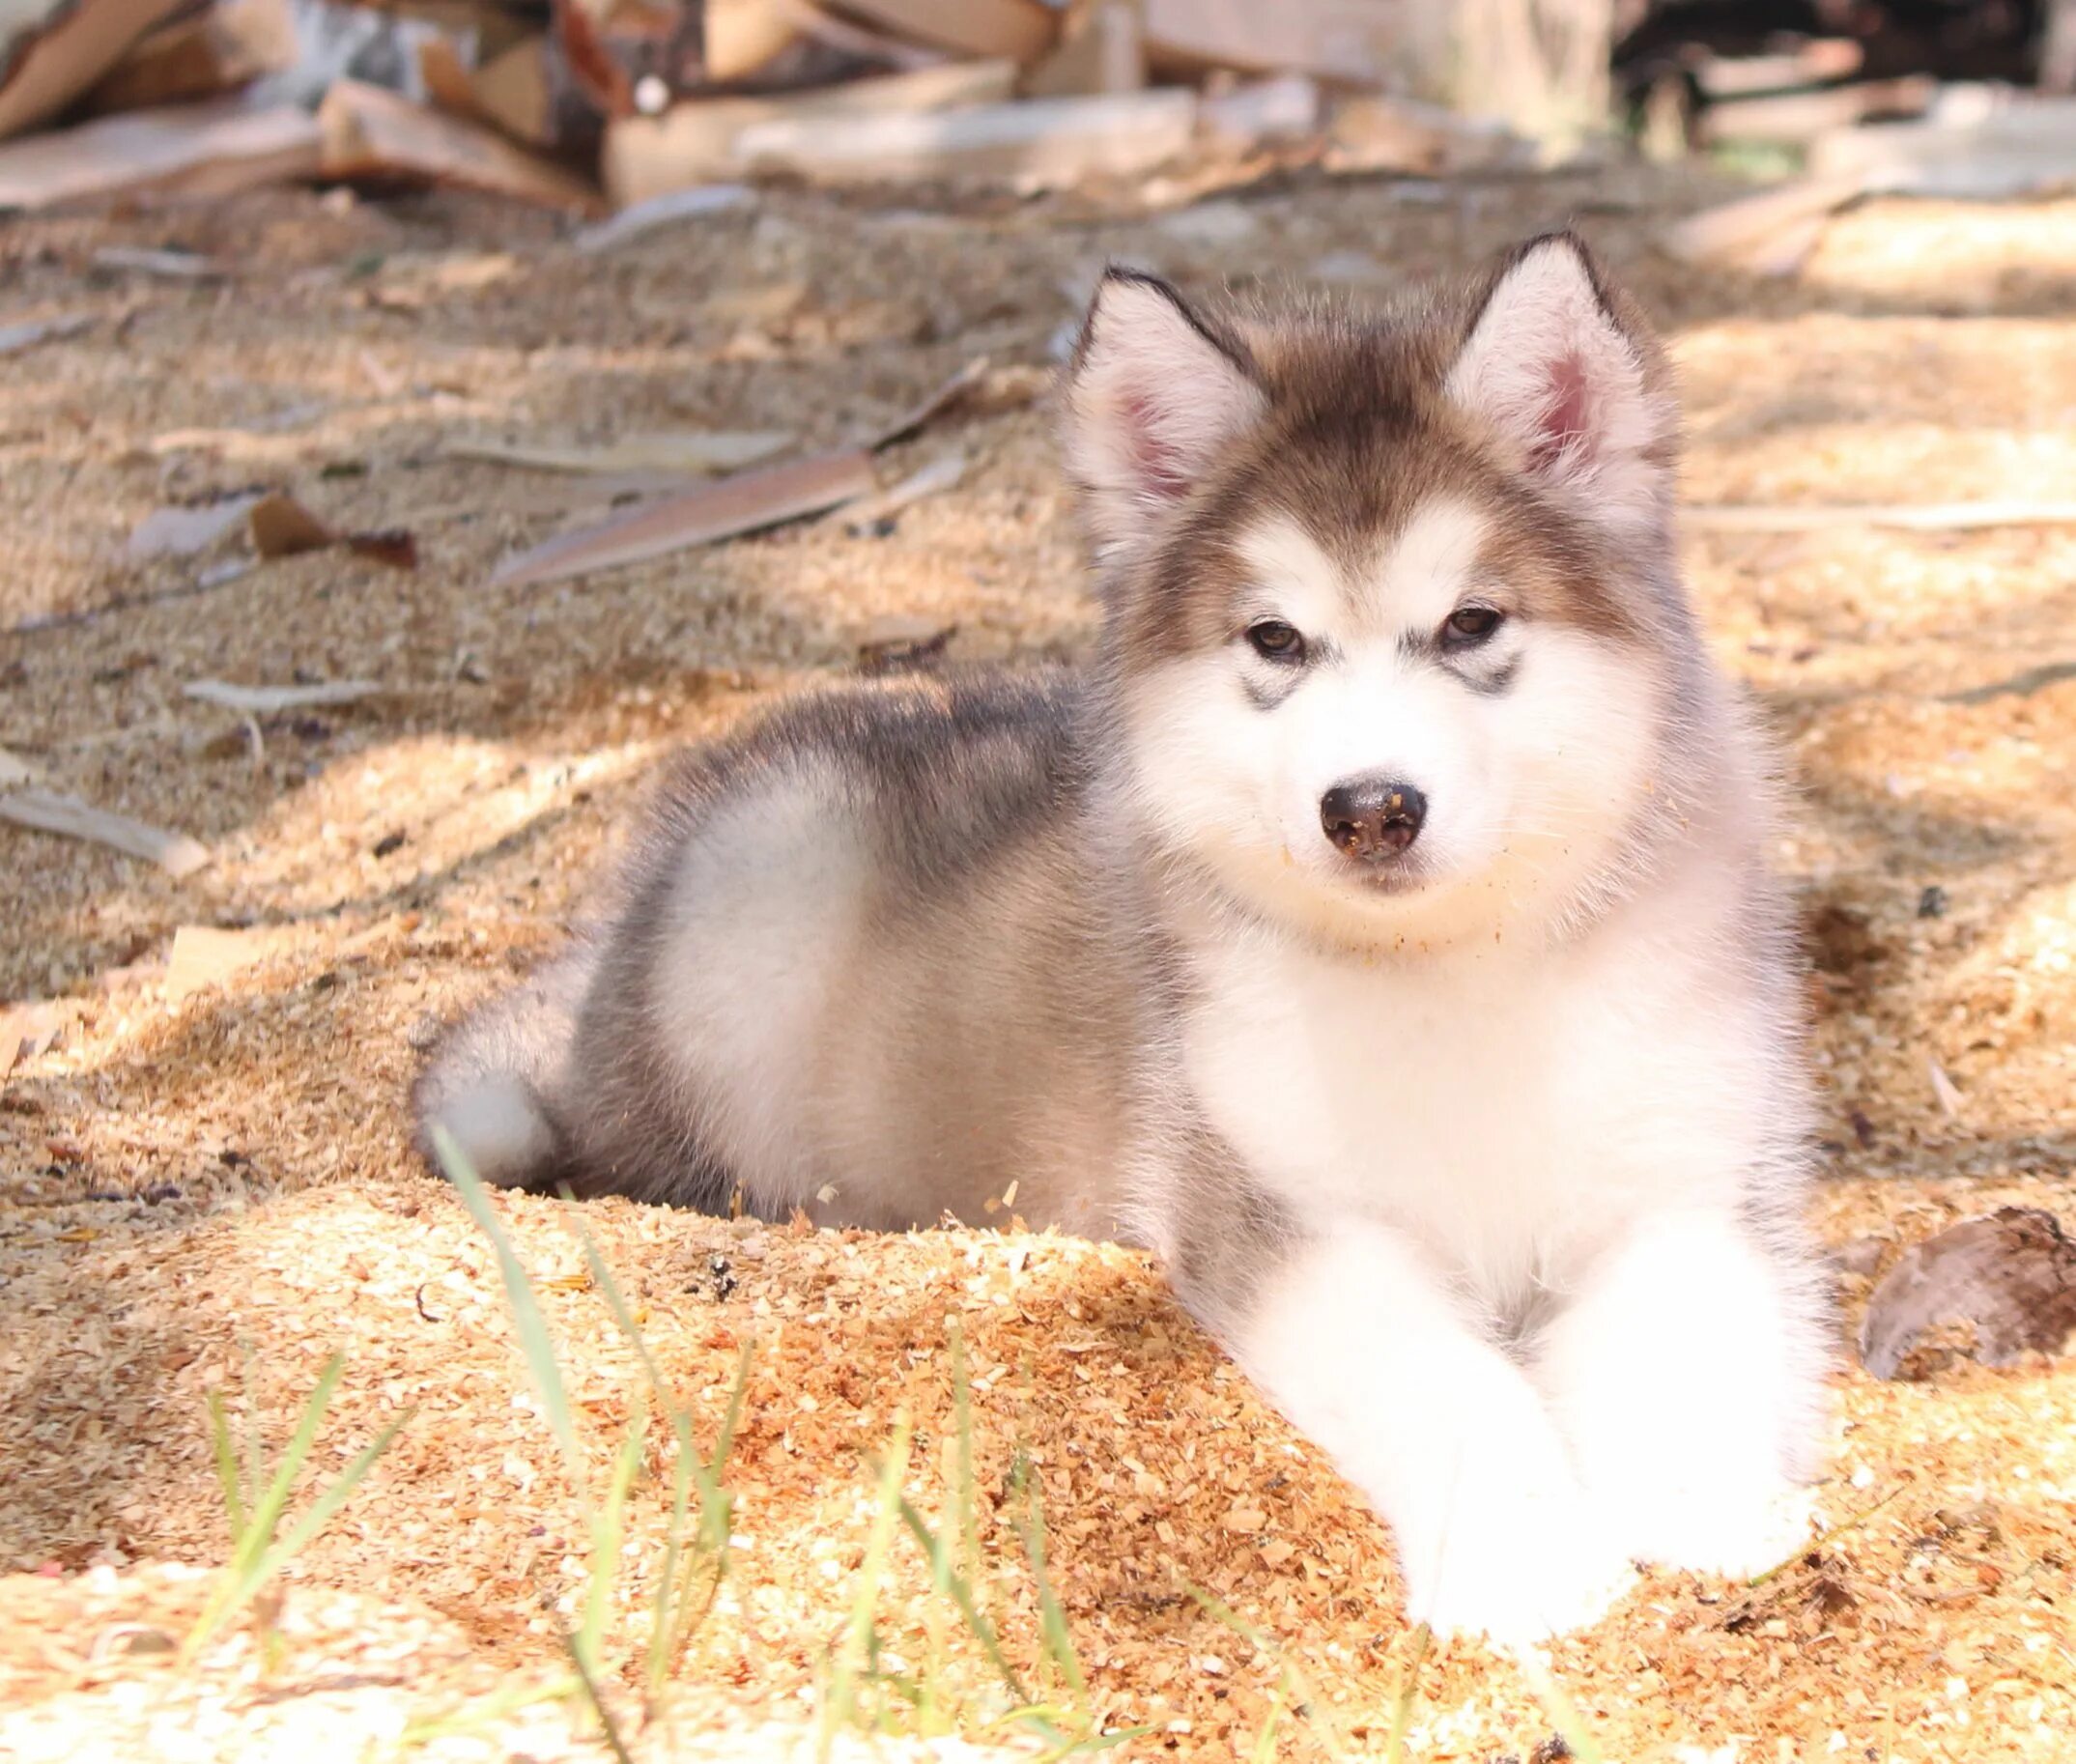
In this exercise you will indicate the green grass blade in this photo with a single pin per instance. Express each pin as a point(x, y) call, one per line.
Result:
point(227, 1472)
point(841, 1705)
point(298, 1537)
point(606, 1531)
point(606, 1725)
point(1409, 1693)
point(661, 1623)
point(534, 1340)
point(266, 1511)
point(984, 1632)
point(1309, 1703)
point(1563, 1713)
point(1052, 1619)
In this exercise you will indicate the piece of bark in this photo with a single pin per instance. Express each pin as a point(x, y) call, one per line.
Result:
point(47, 812)
point(1909, 517)
point(695, 142)
point(52, 62)
point(1019, 30)
point(172, 265)
point(900, 641)
point(1099, 51)
point(2010, 1277)
point(271, 700)
point(189, 150)
point(518, 93)
point(746, 503)
point(1734, 230)
point(1795, 118)
point(1039, 142)
point(2023, 683)
point(368, 133)
point(14, 338)
point(1350, 40)
point(214, 51)
point(283, 527)
point(694, 451)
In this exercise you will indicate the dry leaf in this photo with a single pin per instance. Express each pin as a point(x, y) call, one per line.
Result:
point(933, 479)
point(1942, 1088)
point(283, 527)
point(745, 503)
point(688, 452)
point(181, 532)
point(2009, 1276)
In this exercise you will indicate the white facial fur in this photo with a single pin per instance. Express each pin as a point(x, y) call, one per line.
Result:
point(1530, 789)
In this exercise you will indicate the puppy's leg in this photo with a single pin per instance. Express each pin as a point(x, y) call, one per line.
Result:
point(1357, 1340)
point(1687, 1375)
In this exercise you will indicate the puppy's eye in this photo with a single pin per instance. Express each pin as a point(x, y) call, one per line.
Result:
point(1472, 625)
point(1279, 642)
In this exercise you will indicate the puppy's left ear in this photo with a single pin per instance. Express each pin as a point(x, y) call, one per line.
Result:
point(1568, 376)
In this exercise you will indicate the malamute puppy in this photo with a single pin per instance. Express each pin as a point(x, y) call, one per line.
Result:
point(1380, 928)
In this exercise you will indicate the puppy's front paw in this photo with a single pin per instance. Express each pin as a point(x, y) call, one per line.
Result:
point(1736, 1527)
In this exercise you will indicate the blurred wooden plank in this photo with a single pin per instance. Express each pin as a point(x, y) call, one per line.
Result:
point(1725, 234)
point(199, 57)
point(1048, 141)
point(1022, 30)
point(46, 64)
point(694, 143)
point(1350, 40)
point(207, 150)
point(1822, 58)
point(368, 133)
point(1797, 117)
point(1098, 51)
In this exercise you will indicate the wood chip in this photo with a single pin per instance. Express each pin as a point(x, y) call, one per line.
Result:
point(2010, 1274)
point(283, 527)
point(182, 532)
point(50, 812)
point(26, 1030)
point(1944, 1089)
point(689, 451)
point(14, 770)
point(271, 700)
point(671, 209)
point(745, 503)
point(368, 133)
point(203, 955)
point(14, 338)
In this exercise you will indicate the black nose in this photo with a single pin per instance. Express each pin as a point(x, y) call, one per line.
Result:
point(1373, 817)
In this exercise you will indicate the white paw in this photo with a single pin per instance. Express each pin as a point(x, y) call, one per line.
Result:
point(1712, 1525)
point(1512, 1551)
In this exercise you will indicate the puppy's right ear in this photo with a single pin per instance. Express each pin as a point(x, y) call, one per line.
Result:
point(1153, 394)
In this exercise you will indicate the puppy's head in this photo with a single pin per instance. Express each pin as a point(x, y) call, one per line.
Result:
point(1390, 605)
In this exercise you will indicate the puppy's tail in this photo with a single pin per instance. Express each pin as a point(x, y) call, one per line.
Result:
point(497, 1083)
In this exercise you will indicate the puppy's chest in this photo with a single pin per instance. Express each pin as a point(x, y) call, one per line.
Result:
point(1489, 1113)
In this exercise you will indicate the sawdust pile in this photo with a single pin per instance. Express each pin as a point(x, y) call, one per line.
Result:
point(212, 1191)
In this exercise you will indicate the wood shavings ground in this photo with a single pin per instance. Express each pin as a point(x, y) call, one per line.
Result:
point(214, 1191)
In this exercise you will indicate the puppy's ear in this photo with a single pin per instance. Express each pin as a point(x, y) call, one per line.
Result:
point(1152, 395)
point(1567, 376)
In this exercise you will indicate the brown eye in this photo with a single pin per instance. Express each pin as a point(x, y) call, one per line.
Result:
point(1471, 624)
point(1279, 642)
